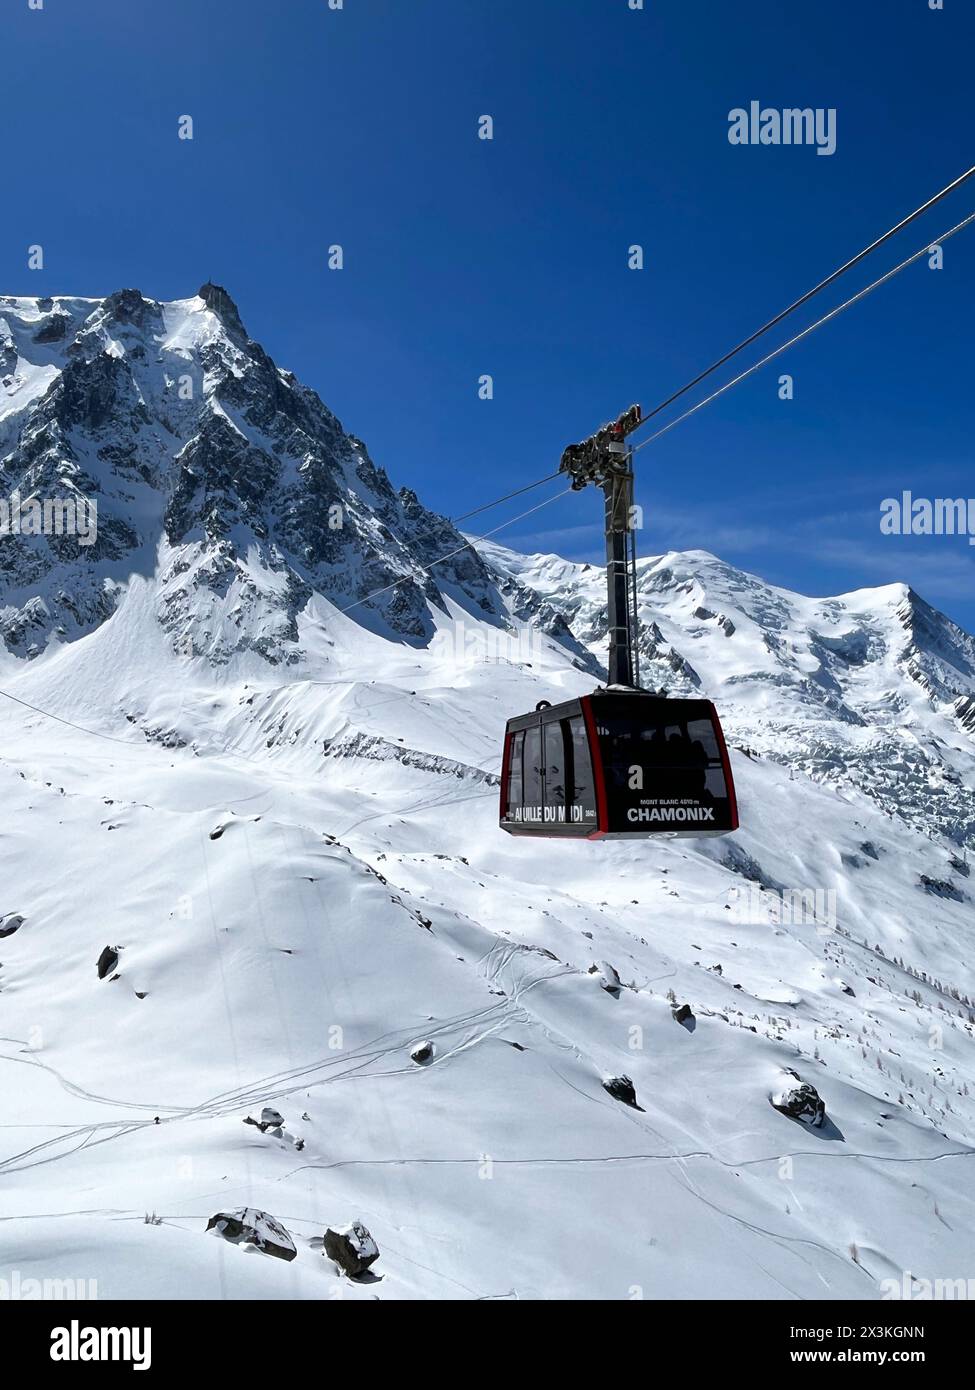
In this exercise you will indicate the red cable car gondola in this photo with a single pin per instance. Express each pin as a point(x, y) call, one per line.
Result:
point(615, 764)
point(621, 762)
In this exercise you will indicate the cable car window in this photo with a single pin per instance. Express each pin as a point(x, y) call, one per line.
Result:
point(583, 799)
point(555, 770)
point(701, 734)
point(702, 731)
point(662, 772)
point(515, 770)
point(532, 784)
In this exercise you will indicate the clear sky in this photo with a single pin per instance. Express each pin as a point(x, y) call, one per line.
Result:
point(464, 257)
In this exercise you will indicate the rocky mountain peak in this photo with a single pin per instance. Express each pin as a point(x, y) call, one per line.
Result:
point(219, 302)
point(189, 438)
point(126, 306)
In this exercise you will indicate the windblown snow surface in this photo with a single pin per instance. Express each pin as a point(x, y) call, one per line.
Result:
point(298, 864)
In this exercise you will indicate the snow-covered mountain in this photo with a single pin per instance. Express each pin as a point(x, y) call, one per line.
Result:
point(251, 860)
point(215, 473)
point(874, 689)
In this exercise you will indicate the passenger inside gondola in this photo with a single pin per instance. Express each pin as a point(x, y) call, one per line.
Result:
point(673, 764)
point(660, 765)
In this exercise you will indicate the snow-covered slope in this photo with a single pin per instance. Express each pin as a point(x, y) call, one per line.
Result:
point(281, 819)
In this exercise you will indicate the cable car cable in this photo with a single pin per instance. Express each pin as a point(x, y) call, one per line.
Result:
point(823, 284)
point(468, 545)
point(861, 294)
point(80, 727)
point(797, 304)
point(508, 495)
point(487, 506)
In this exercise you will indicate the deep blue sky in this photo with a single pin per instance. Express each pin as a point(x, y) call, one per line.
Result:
point(464, 257)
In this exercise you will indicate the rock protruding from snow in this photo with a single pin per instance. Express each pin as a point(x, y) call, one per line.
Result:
point(622, 1088)
point(682, 1013)
point(941, 888)
point(607, 976)
point(423, 1053)
point(107, 961)
point(249, 1226)
point(965, 711)
point(352, 1248)
point(219, 302)
point(800, 1101)
point(10, 923)
point(270, 1119)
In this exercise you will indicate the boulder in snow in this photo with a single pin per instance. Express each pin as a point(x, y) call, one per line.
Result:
point(800, 1101)
point(608, 977)
point(248, 1226)
point(621, 1088)
point(423, 1053)
point(270, 1119)
point(10, 923)
point(352, 1248)
point(682, 1013)
point(941, 888)
point(107, 961)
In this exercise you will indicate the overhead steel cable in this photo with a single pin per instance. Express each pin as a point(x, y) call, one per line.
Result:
point(488, 506)
point(126, 743)
point(468, 545)
point(854, 299)
point(804, 299)
point(506, 498)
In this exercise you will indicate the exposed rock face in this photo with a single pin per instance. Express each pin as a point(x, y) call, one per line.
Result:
point(965, 712)
point(53, 330)
point(249, 1226)
point(941, 888)
point(352, 1248)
